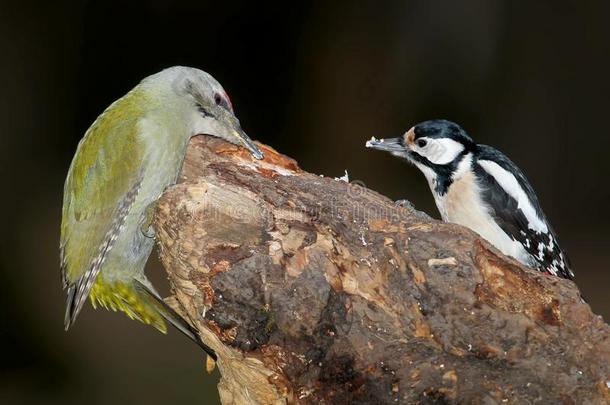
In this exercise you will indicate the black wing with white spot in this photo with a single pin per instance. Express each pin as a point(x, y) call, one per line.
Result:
point(515, 208)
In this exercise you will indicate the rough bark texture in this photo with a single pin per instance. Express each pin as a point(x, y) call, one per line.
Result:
point(312, 290)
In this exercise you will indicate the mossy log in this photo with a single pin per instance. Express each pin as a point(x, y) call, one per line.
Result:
point(313, 290)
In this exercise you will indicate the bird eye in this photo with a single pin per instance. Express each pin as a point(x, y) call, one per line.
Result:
point(422, 143)
point(222, 101)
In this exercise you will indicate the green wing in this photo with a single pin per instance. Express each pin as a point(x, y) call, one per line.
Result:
point(102, 183)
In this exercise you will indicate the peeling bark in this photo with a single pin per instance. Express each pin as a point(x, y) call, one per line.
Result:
point(313, 290)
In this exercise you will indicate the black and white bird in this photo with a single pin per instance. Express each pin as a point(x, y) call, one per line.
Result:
point(479, 187)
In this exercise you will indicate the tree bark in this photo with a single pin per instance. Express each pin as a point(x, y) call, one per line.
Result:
point(314, 290)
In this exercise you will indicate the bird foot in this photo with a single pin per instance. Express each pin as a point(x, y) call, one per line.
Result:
point(405, 204)
point(147, 220)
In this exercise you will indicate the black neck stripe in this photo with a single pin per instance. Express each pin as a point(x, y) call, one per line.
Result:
point(443, 172)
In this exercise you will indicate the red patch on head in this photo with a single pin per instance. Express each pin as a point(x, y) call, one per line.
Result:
point(228, 100)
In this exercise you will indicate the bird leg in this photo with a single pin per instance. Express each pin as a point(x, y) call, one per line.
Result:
point(147, 219)
point(405, 204)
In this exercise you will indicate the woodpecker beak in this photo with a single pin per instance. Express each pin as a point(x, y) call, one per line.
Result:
point(387, 145)
point(247, 143)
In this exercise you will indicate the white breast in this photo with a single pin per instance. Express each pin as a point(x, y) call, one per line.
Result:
point(462, 205)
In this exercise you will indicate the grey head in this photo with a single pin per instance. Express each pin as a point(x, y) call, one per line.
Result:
point(202, 102)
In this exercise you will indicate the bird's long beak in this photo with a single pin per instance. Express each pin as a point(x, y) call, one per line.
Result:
point(247, 143)
point(388, 144)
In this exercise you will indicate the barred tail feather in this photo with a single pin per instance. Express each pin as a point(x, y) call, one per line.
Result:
point(77, 293)
point(79, 290)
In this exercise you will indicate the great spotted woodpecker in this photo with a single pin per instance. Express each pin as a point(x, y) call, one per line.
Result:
point(479, 187)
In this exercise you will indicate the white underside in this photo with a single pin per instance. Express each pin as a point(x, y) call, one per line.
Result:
point(462, 205)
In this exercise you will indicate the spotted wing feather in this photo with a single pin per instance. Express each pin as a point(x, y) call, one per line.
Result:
point(102, 183)
point(546, 254)
point(79, 290)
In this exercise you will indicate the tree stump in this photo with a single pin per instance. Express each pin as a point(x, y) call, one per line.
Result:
point(313, 290)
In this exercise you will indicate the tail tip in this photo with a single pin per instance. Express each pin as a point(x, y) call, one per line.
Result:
point(67, 320)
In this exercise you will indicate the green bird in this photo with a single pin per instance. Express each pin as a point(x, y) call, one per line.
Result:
point(127, 158)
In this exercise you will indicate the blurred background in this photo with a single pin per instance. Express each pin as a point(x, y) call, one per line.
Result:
point(313, 80)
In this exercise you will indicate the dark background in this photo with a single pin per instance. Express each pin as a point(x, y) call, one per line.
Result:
point(314, 81)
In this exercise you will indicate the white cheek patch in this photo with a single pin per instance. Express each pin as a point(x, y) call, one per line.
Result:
point(509, 183)
point(442, 151)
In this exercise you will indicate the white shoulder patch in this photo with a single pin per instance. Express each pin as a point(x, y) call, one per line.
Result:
point(509, 183)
